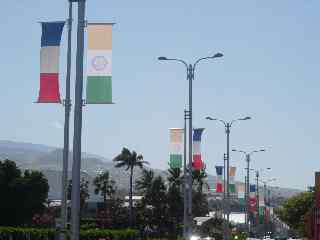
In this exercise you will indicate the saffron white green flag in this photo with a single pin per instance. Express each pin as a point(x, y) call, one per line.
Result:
point(99, 64)
point(176, 147)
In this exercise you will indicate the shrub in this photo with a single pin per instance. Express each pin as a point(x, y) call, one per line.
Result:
point(16, 233)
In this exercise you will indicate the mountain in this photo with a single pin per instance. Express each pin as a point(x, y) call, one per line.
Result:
point(22, 153)
point(49, 160)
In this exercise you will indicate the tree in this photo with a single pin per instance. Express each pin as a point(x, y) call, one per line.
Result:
point(22, 195)
point(143, 184)
point(175, 200)
point(212, 228)
point(155, 207)
point(84, 192)
point(295, 209)
point(200, 205)
point(198, 177)
point(104, 185)
point(130, 160)
point(175, 177)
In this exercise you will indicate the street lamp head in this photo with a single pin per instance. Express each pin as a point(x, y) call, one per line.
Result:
point(162, 58)
point(210, 118)
point(245, 118)
point(217, 55)
point(262, 150)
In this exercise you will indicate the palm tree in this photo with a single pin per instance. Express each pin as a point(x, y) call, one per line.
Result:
point(175, 200)
point(199, 177)
point(175, 178)
point(84, 192)
point(143, 184)
point(104, 185)
point(130, 160)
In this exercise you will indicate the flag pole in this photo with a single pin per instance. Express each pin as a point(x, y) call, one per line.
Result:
point(185, 177)
point(67, 105)
point(76, 166)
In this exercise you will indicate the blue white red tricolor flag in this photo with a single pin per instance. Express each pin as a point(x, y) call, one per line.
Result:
point(49, 62)
point(197, 160)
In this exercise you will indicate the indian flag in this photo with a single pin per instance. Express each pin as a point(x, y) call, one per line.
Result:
point(232, 174)
point(176, 147)
point(99, 64)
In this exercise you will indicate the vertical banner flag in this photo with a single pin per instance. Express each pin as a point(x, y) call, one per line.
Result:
point(232, 183)
point(241, 191)
point(219, 184)
point(252, 198)
point(176, 147)
point(99, 63)
point(49, 62)
point(267, 214)
point(197, 160)
point(261, 200)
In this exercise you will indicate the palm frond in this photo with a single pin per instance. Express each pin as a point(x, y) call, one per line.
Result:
point(121, 164)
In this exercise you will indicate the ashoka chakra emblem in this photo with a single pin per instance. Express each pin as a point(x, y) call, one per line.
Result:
point(99, 63)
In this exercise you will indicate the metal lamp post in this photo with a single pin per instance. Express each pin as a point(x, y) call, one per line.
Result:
point(67, 105)
point(227, 125)
point(266, 200)
point(190, 76)
point(248, 158)
point(76, 166)
point(257, 189)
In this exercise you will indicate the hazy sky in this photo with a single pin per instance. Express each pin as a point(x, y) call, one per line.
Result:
point(269, 72)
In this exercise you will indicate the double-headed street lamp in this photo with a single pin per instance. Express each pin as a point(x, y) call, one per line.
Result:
point(248, 158)
point(266, 197)
point(265, 193)
point(257, 178)
point(227, 126)
point(190, 76)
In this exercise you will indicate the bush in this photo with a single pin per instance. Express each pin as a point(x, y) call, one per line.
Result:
point(15, 233)
point(93, 234)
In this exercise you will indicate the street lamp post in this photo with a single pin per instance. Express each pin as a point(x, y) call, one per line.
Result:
point(266, 200)
point(227, 126)
point(185, 178)
point(76, 165)
point(257, 194)
point(257, 178)
point(67, 104)
point(190, 76)
point(248, 158)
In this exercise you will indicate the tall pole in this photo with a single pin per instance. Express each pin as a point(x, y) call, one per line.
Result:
point(224, 196)
point(190, 78)
point(67, 105)
point(257, 194)
point(248, 156)
point(248, 192)
point(185, 197)
point(265, 207)
point(245, 199)
point(224, 176)
point(190, 220)
point(75, 209)
point(228, 189)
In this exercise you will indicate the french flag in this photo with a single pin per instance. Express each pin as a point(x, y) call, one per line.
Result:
point(49, 62)
point(219, 170)
point(197, 160)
